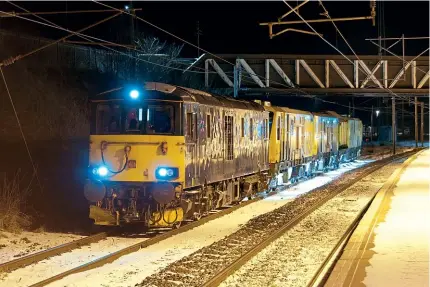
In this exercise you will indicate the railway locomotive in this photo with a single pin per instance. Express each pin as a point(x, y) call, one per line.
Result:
point(162, 154)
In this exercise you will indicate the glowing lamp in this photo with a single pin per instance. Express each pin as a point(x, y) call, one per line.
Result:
point(100, 171)
point(167, 173)
point(134, 94)
point(377, 112)
point(162, 172)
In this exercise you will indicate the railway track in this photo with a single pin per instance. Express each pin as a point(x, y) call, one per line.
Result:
point(34, 258)
point(54, 251)
point(323, 272)
point(136, 247)
point(213, 264)
point(219, 277)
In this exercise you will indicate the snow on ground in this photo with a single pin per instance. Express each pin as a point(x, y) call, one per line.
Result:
point(402, 239)
point(293, 259)
point(131, 269)
point(13, 246)
point(138, 265)
point(46, 268)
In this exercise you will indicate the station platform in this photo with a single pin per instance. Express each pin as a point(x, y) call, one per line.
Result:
point(390, 246)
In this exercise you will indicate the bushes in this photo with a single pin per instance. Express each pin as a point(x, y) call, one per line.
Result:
point(12, 201)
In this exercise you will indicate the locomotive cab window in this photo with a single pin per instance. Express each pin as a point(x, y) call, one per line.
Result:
point(108, 119)
point(143, 118)
point(159, 119)
point(134, 120)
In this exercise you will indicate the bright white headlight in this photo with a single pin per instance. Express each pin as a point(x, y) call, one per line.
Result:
point(162, 172)
point(134, 94)
point(102, 171)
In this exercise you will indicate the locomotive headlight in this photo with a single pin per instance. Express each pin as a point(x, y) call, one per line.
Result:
point(134, 94)
point(100, 171)
point(166, 173)
point(162, 172)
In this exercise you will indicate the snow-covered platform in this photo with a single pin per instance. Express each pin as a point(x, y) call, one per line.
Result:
point(390, 246)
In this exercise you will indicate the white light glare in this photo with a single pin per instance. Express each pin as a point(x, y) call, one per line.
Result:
point(134, 94)
point(126, 7)
point(377, 112)
point(162, 172)
point(102, 171)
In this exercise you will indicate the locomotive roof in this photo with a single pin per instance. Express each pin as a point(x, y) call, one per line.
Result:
point(286, 110)
point(343, 118)
point(182, 94)
point(324, 114)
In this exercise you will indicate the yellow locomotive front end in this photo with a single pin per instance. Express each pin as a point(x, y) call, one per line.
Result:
point(137, 159)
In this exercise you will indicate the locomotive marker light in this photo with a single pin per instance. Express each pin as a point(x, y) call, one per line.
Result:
point(134, 94)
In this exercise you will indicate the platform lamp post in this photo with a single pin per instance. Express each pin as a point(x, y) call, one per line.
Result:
point(377, 122)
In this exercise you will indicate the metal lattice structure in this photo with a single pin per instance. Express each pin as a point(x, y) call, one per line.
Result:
point(319, 74)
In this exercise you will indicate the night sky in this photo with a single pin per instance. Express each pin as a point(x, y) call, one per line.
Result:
point(232, 27)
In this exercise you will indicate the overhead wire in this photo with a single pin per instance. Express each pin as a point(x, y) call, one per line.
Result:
point(53, 25)
point(84, 36)
point(382, 26)
point(326, 13)
point(218, 57)
point(340, 33)
point(22, 131)
point(123, 11)
point(19, 57)
point(398, 57)
point(163, 30)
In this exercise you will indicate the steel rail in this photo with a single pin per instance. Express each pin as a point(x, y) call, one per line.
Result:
point(229, 270)
point(324, 270)
point(143, 244)
point(42, 255)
